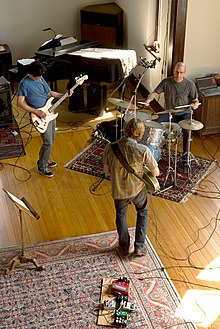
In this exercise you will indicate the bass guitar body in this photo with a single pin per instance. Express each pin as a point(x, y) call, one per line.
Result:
point(42, 124)
point(151, 182)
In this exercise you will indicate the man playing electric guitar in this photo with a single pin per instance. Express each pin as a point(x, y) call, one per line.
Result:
point(33, 93)
point(128, 188)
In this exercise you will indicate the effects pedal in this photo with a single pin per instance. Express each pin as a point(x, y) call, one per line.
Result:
point(120, 286)
point(120, 318)
point(109, 305)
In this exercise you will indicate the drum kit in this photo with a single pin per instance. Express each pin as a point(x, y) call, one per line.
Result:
point(156, 133)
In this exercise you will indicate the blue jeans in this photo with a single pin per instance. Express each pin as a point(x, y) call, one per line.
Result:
point(121, 206)
point(46, 148)
point(176, 119)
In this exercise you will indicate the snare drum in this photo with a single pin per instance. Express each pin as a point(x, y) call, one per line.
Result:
point(175, 133)
point(139, 115)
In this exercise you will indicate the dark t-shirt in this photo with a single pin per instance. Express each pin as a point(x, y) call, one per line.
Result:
point(177, 93)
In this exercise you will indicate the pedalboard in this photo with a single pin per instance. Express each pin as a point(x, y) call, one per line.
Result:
point(115, 305)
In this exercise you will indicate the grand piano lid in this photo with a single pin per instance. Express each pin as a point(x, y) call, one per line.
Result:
point(128, 58)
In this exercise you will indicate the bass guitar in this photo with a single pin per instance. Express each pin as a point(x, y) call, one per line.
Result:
point(41, 124)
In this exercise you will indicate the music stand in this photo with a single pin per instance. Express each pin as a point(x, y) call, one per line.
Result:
point(23, 206)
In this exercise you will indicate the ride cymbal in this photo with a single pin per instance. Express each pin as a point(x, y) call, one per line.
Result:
point(191, 124)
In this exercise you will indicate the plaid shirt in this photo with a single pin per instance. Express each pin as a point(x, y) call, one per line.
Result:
point(126, 185)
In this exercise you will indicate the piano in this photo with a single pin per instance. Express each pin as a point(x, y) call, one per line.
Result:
point(102, 65)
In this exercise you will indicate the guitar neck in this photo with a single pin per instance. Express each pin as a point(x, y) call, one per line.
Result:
point(61, 99)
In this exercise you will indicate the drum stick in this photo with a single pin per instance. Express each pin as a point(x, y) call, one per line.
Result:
point(182, 106)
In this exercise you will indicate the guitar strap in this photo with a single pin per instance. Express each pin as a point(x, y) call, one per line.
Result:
point(115, 148)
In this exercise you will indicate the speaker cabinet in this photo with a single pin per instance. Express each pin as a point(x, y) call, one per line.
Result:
point(5, 60)
point(96, 98)
point(102, 23)
point(76, 101)
point(6, 117)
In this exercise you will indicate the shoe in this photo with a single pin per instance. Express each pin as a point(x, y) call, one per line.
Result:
point(139, 252)
point(125, 252)
point(52, 164)
point(45, 172)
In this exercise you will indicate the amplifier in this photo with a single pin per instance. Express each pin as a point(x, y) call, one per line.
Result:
point(6, 117)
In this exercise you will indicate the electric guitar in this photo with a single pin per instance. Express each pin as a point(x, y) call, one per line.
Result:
point(41, 124)
point(151, 182)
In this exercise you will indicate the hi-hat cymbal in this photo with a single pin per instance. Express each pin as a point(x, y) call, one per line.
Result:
point(170, 111)
point(121, 103)
point(191, 124)
point(153, 124)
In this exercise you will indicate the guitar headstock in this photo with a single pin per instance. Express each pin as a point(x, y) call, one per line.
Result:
point(79, 80)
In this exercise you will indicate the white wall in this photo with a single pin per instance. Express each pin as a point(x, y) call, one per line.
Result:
point(22, 22)
point(202, 45)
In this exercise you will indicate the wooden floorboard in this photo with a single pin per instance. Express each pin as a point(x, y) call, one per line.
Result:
point(68, 208)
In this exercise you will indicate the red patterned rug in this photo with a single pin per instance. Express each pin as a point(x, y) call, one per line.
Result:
point(11, 144)
point(89, 161)
point(67, 293)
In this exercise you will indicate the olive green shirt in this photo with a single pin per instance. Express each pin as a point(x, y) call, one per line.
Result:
point(124, 184)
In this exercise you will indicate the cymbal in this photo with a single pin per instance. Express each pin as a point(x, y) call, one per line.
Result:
point(153, 124)
point(191, 124)
point(120, 103)
point(170, 111)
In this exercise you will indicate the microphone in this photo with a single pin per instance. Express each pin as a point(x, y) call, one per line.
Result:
point(50, 29)
point(142, 62)
point(34, 213)
point(149, 49)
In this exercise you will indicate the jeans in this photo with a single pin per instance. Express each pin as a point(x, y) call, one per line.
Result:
point(176, 119)
point(46, 148)
point(121, 206)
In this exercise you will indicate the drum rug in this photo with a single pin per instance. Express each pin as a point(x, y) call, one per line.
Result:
point(67, 293)
point(175, 187)
point(11, 144)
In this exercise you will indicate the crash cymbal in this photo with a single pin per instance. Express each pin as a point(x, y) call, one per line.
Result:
point(153, 124)
point(170, 111)
point(191, 124)
point(120, 103)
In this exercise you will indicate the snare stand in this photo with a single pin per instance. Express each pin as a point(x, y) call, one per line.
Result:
point(170, 169)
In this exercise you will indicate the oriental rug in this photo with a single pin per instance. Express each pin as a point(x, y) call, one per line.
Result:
point(89, 161)
point(11, 144)
point(67, 293)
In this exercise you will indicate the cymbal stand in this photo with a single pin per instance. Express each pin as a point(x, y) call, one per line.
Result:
point(119, 110)
point(190, 156)
point(170, 170)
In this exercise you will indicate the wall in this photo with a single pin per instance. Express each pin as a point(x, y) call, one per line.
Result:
point(22, 22)
point(202, 38)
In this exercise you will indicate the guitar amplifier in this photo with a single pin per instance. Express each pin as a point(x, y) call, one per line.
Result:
point(6, 116)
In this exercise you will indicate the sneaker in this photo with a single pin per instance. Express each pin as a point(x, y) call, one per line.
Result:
point(140, 252)
point(52, 164)
point(45, 172)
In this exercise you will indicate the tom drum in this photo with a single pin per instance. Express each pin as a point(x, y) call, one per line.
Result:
point(139, 115)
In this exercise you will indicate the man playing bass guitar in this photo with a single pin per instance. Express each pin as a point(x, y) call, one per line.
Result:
point(33, 92)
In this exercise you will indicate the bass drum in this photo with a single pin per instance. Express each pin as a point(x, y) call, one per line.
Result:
point(139, 115)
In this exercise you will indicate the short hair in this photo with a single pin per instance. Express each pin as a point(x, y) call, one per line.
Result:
point(36, 69)
point(178, 64)
point(134, 128)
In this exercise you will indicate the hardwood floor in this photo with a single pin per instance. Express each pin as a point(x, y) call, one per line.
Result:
point(185, 235)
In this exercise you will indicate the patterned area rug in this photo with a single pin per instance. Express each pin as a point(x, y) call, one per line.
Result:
point(67, 293)
point(176, 189)
point(11, 144)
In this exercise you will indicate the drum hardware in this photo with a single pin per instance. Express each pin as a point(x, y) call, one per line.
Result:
point(190, 125)
point(170, 170)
